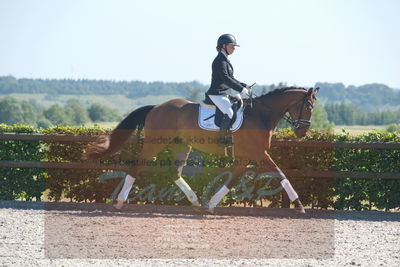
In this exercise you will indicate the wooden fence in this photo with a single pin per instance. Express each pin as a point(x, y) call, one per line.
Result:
point(276, 143)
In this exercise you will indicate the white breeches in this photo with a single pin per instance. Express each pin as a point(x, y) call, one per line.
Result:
point(223, 103)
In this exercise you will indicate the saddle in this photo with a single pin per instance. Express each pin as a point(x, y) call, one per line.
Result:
point(210, 116)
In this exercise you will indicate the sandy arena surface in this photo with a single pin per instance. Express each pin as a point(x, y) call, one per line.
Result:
point(77, 234)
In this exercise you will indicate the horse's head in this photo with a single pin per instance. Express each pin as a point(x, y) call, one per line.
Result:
point(301, 111)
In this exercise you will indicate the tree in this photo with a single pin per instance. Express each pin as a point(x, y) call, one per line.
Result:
point(98, 113)
point(320, 118)
point(77, 114)
point(343, 114)
point(56, 115)
point(43, 122)
point(347, 114)
point(393, 128)
point(14, 111)
point(193, 94)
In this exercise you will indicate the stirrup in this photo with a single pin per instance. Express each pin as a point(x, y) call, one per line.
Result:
point(227, 145)
point(226, 141)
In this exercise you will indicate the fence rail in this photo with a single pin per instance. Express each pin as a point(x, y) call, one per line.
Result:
point(276, 142)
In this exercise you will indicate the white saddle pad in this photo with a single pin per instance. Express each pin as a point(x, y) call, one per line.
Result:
point(205, 111)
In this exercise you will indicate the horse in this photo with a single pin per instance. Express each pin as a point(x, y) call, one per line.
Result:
point(178, 118)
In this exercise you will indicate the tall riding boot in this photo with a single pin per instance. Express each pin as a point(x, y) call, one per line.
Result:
point(225, 136)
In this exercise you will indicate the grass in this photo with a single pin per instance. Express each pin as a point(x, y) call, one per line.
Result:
point(107, 125)
point(358, 129)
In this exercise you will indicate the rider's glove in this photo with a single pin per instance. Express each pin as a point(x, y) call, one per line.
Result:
point(237, 96)
point(245, 91)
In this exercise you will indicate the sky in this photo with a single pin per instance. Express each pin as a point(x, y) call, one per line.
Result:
point(299, 42)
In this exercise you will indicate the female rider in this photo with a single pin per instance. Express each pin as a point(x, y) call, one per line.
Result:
point(224, 84)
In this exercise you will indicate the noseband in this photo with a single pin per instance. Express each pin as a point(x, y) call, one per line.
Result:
point(300, 123)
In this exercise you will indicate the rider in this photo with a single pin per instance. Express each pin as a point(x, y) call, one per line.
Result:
point(222, 83)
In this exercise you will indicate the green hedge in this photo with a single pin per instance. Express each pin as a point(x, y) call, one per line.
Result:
point(363, 194)
point(18, 183)
point(77, 185)
point(157, 187)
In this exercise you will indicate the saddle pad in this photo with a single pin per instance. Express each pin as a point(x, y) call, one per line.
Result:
point(206, 111)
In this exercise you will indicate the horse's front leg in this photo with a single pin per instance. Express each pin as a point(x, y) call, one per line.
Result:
point(268, 165)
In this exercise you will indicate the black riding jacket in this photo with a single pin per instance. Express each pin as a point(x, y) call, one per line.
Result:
point(222, 76)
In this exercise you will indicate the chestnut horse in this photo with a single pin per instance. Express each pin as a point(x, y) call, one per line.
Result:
point(178, 118)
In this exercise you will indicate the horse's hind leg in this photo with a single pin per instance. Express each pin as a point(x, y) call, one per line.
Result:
point(123, 194)
point(225, 188)
point(180, 154)
point(150, 150)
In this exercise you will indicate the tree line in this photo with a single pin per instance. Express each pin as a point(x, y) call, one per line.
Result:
point(368, 98)
point(347, 114)
point(131, 89)
point(15, 111)
point(373, 104)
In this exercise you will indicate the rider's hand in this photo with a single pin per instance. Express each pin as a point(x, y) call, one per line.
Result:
point(245, 91)
point(239, 98)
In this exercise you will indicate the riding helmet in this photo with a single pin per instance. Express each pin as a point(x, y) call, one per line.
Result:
point(226, 39)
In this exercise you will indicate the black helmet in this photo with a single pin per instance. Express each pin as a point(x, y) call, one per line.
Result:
point(226, 39)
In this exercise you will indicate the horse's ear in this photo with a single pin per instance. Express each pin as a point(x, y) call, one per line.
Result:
point(310, 92)
point(316, 90)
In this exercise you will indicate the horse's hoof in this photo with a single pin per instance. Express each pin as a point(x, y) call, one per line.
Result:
point(197, 209)
point(298, 207)
point(196, 204)
point(300, 210)
point(118, 206)
point(209, 210)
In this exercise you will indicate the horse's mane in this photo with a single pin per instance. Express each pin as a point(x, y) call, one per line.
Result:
point(281, 90)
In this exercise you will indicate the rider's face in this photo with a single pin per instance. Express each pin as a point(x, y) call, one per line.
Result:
point(230, 48)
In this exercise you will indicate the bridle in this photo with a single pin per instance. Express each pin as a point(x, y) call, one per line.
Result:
point(296, 124)
point(301, 123)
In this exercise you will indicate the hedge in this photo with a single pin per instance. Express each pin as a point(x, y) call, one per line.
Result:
point(17, 183)
point(202, 173)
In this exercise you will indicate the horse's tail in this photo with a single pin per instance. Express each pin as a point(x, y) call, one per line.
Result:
point(108, 145)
